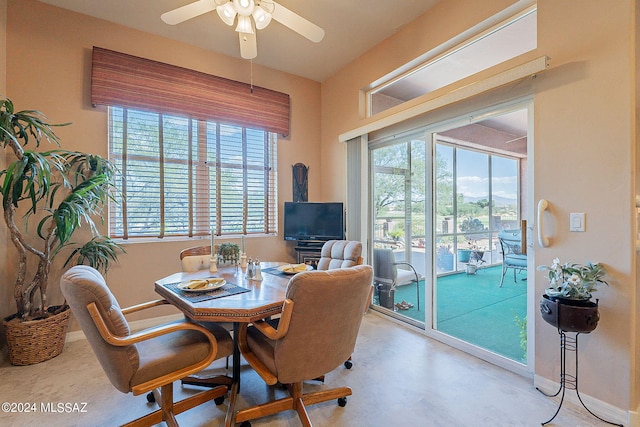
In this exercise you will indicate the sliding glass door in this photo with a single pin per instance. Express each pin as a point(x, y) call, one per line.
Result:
point(399, 212)
point(477, 183)
point(437, 209)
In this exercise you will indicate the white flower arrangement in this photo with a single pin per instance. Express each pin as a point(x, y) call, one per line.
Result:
point(574, 281)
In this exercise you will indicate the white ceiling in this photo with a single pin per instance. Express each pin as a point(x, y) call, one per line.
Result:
point(352, 27)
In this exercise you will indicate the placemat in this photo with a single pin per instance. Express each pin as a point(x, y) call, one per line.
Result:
point(275, 272)
point(225, 291)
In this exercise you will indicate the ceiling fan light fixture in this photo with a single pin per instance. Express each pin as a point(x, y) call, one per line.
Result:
point(244, 7)
point(252, 15)
point(244, 25)
point(227, 13)
point(261, 17)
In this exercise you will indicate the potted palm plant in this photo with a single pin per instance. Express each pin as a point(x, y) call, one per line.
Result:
point(46, 197)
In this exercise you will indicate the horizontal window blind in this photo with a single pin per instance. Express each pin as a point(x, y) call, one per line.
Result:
point(122, 80)
point(185, 177)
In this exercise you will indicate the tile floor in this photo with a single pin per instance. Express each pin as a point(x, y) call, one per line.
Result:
point(399, 378)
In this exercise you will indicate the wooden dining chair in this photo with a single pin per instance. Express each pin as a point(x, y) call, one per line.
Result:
point(145, 361)
point(316, 333)
point(196, 258)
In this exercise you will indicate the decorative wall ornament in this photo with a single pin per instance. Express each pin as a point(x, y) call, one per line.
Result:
point(300, 176)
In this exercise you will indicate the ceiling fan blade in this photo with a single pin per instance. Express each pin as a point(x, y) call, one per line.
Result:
point(189, 11)
point(248, 45)
point(297, 23)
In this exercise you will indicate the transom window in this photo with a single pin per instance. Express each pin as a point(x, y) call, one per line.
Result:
point(183, 177)
point(506, 40)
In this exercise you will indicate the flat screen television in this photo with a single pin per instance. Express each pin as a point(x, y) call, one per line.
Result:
point(309, 221)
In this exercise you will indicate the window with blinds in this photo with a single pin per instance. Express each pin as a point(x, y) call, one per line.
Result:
point(187, 177)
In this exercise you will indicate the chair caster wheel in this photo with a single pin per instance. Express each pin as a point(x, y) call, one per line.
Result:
point(348, 364)
point(219, 400)
point(150, 397)
point(245, 424)
point(342, 402)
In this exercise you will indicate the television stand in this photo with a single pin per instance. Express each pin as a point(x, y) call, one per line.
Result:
point(309, 252)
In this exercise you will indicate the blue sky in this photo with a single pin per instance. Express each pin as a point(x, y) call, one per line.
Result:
point(473, 174)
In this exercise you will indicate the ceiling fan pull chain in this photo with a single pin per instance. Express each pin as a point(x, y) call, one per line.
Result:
point(251, 75)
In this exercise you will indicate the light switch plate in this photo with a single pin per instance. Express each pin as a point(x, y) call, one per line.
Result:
point(576, 221)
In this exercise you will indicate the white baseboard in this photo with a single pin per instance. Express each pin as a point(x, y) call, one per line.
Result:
point(134, 326)
point(602, 409)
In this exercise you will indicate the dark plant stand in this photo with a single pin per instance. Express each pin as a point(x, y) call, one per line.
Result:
point(576, 319)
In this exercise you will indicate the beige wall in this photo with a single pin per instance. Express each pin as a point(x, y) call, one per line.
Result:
point(49, 53)
point(584, 118)
point(582, 159)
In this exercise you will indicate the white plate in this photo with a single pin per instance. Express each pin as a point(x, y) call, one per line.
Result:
point(214, 283)
point(287, 269)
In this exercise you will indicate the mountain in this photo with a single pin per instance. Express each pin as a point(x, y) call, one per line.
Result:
point(497, 200)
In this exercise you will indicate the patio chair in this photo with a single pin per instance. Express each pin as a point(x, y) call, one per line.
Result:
point(513, 255)
point(387, 273)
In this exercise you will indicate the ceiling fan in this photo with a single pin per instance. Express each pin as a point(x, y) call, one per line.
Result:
point(250, 14)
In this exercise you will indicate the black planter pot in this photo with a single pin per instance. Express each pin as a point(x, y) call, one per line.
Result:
point(570, 315)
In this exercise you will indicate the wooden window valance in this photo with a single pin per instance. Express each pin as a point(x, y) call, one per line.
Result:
point(122, 80)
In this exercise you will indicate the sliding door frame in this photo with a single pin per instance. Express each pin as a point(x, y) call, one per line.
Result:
point(428, 328)
point(431, 132)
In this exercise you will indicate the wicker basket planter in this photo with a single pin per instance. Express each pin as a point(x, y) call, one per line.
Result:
point(35, 341)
